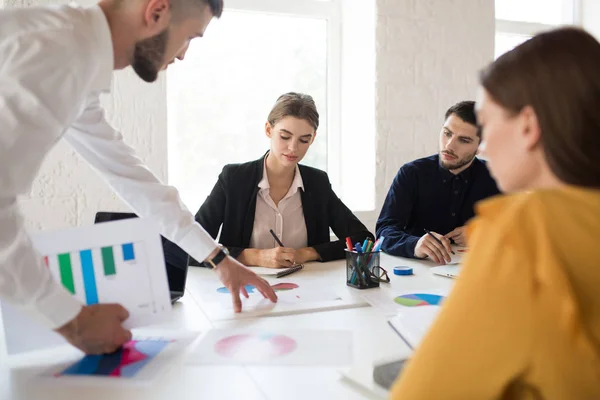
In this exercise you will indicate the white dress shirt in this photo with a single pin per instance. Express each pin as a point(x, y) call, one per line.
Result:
point(286, 219)
point(54, 63)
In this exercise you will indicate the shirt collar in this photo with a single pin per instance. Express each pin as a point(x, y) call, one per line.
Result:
point(464, 175)
point(104, 49)
point(296, 183)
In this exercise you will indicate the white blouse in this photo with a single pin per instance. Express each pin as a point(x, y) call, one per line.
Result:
point(285, 219)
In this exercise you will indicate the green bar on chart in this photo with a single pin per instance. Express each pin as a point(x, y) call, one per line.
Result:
point(66, 272)
point(108, 260)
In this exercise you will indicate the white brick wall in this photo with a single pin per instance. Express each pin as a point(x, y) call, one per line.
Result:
point(428, 54)
point(67, 191)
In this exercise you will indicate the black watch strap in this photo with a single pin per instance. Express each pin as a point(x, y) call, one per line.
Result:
point(220, 256)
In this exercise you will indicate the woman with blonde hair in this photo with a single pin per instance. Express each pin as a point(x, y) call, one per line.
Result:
point(276, 193)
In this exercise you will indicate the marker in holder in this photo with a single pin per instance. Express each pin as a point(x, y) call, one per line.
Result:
point(358, 269)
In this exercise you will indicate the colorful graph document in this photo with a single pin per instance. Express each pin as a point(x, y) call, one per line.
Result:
point(251, 347)
point(294, 296)
point(139, 361)
point(390, 301)
point(117, 262)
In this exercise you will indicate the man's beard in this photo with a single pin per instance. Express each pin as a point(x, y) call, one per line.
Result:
point(458, 163)
point(149, 56)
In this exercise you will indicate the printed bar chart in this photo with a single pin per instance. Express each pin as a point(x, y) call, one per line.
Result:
point(108, 259)
point(115, 262)
point(89, 279)
point(100, 261)
point(66, 272)
point(128, 253)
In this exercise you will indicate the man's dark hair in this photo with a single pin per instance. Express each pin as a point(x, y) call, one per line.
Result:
point(216, 7)
point(464, 110)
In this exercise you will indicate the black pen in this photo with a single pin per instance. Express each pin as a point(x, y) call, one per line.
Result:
point(434, 238)
point(293, 268)
point(276, 238)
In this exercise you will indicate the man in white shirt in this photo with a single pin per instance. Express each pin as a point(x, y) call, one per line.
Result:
point(54, 63)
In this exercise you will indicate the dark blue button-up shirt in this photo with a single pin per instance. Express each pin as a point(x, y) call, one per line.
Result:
point(424, 195)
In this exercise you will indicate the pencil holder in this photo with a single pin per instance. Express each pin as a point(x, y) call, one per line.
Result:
point(358, 269)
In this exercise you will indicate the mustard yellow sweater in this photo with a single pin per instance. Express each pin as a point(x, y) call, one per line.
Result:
point(523, 321)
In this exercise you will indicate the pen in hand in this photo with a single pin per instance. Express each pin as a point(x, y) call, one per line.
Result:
point(280, 244)
point(276, 238)
point(437, 240)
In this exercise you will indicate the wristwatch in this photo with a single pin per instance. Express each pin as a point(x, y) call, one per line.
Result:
point(212, 263)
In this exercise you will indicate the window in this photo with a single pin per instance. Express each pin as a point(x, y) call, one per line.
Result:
point(219, 98)
point(508, 41)
point(519, 20)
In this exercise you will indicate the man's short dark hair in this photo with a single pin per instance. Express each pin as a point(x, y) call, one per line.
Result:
point(216, 7)
point(464, 110)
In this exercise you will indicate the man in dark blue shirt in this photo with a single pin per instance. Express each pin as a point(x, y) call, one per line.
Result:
point(437, 193)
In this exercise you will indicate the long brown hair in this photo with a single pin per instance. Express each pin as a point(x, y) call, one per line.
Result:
point(557, 73)
point(297, 105)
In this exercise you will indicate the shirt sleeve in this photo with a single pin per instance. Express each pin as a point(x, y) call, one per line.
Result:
point(104, 149)
point(24, 279)
point(483, 336)
point(395, 216)
point(29, 116)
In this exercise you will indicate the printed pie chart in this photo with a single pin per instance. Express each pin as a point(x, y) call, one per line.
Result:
point(249, 288)
point(284, 287)
point(419, 299)
point(255, 347)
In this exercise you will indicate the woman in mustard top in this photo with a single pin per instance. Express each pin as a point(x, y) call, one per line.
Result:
point(523, 321)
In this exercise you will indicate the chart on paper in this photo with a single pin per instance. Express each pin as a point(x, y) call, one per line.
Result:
point(289, 347)
point(91, 274)
point(118, 262)
point(140, 361)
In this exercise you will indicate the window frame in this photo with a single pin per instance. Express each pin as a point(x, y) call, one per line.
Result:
point(331, 11)
point(524, 28)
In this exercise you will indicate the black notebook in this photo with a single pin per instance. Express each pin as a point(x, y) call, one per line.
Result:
point(277, 273)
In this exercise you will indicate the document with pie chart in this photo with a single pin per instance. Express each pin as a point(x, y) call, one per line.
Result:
point(391, 301)
point(294, 296)
point(274, 347)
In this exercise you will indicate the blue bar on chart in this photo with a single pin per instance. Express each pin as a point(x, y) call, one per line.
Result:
point(89, 280)
point(128, 254)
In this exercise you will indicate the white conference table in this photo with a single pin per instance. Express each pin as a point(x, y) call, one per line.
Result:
point(373, 340)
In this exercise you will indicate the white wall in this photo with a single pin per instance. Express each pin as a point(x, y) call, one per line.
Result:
point(590, 16)
point(428, 55)
point(67, 192)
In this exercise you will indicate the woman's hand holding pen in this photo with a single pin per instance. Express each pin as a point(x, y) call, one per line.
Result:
point(283, 257)
point(278, 257)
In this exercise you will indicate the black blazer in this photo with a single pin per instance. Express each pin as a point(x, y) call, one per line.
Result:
point(232, 204)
